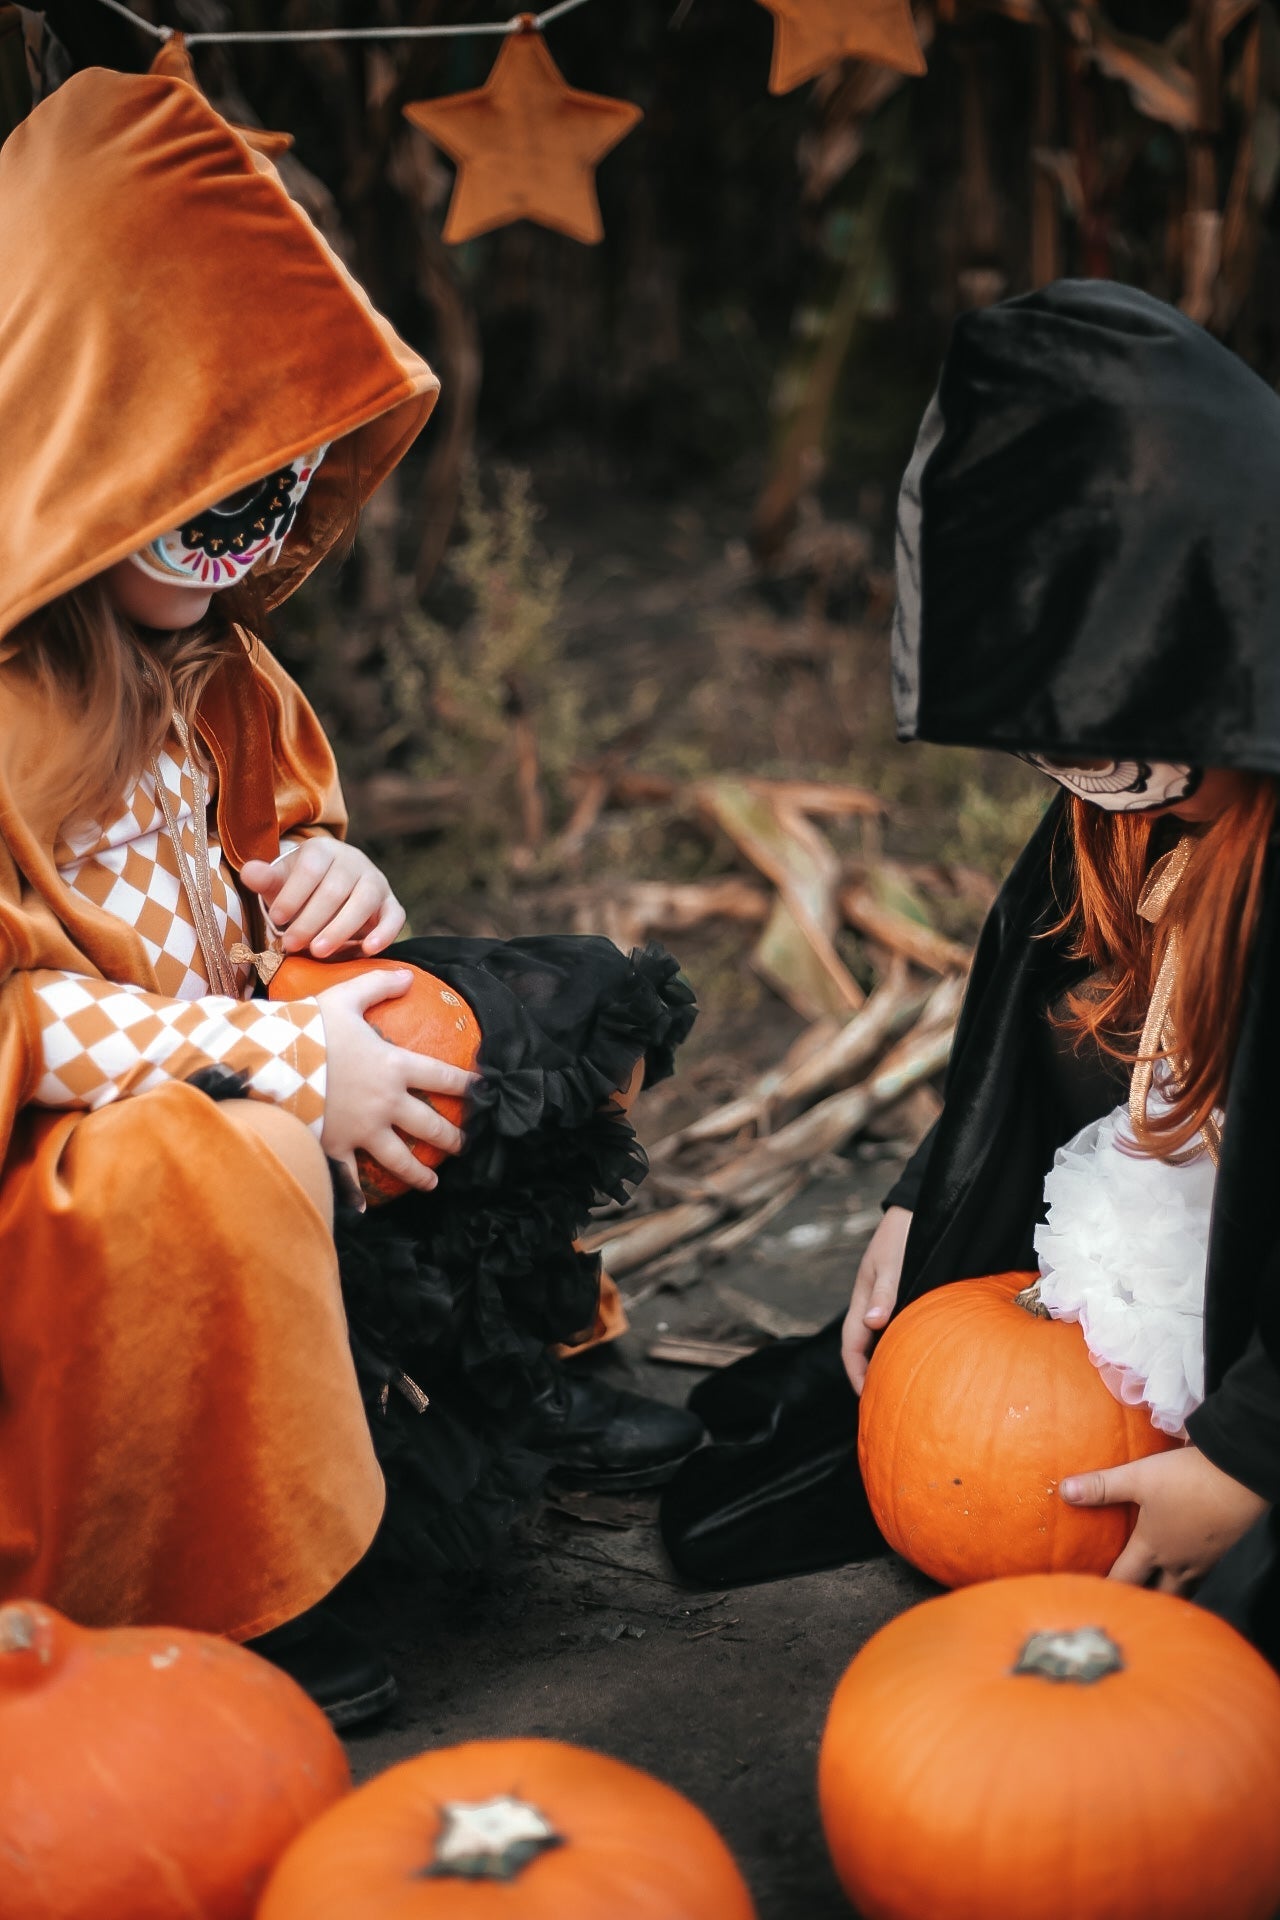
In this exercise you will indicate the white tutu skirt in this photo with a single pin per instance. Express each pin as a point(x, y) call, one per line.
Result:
point(1123, 1251)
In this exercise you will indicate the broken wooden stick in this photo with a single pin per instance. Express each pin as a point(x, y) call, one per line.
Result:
point(754, 1177)
point(901, 934)
point(800, 961)
point(838, 1057)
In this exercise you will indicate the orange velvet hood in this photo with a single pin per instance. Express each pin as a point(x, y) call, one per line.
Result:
point(172, 326)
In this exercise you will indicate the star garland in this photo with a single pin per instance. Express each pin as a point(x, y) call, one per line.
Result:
point(526, 144)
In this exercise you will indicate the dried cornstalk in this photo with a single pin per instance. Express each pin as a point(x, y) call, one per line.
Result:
point(774, 1321)
point(696, 1353)
point(754, 1177)
point(830, 1056)
point(749, 1109)
point(783, 844)
point(740, 1232)
point(657, 1233)
point(834, 1121)
point(629, 913)
point(833, 799)
point(913, 940)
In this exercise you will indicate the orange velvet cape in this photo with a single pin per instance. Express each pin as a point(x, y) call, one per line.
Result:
point(180, 1433)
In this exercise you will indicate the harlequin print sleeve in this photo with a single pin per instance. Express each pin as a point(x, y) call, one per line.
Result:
point(100, 1042)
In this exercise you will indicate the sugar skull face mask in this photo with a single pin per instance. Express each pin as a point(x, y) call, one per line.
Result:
point(1122, 786)
point(219, 545)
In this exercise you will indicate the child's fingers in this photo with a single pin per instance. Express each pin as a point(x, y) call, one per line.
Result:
point(324, 906)
point(365, 990)
point(1136, 1564)
point(309, 866)
point(1105, 1487)
point(428, 1075)
point(267, 878)
point(884, 1293)
point(390, 1151)
point(352, 917)
point(418, 1117)
point(389, 924)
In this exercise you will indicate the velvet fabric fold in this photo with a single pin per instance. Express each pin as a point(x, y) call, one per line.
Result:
point(182, 1439)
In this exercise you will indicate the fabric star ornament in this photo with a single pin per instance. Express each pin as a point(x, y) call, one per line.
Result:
point(811, 35)
point(526, 144)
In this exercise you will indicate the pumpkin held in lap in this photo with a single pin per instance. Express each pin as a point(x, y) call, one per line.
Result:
point(429, 1019)
point(976, 1406)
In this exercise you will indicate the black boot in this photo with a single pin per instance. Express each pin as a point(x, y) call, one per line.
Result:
point(604, 1437)
point(342, 1673)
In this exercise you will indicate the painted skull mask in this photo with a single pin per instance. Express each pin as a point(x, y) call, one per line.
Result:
point(1122, 786)
point(219, 545)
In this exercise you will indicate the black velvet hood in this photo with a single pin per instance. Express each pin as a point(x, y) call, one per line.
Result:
point(1088, 562)
point(1089, 539)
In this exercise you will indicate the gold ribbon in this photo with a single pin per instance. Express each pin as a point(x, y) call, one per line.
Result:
point(1158, 1038)
point(197, 885)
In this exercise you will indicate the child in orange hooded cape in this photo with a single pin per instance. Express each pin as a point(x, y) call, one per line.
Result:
point(182, 1431)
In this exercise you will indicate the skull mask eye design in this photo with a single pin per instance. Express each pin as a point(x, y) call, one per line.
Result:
point(1122, 786)
point(219, 545)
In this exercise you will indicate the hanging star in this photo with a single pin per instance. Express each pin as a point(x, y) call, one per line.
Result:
point(526, 144)
point(174, 60)
point(811, 35)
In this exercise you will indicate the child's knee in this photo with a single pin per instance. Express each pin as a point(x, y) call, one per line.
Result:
point(293, 1144)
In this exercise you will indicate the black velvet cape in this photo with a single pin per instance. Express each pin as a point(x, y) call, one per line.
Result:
point(1088, 564)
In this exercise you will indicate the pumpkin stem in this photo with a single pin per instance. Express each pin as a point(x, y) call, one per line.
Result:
point(1082, 1654)
point(489, 1839)
point(17, 1630)
point(1030, 1302)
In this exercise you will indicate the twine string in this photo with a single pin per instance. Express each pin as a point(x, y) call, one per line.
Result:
point(273, 35)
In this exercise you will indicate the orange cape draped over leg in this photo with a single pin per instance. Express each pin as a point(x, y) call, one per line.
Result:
point(181, 1435)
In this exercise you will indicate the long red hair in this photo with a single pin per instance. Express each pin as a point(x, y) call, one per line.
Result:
point(1216, 911)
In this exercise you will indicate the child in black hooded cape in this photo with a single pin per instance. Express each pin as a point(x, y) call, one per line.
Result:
point(1088, 572)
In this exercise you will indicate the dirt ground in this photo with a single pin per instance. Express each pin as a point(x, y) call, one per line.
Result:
point(585, 1633)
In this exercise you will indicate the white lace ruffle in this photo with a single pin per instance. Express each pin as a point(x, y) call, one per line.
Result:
point(1123, 1251)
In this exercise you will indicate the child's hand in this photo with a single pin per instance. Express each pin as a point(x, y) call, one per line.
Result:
point(1189, 1513)
point(323, 895)
point(371, 1087)
point(875, 1291)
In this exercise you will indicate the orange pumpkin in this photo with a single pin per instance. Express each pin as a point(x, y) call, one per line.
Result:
point(1056, 1747)
point(430, 1019)
point(147, 1773)
point(975, 1407)
point(526, 1829)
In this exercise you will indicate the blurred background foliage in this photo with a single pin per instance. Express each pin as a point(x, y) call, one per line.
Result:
point(651, 522)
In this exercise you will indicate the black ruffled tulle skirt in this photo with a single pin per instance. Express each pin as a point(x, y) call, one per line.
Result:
point(455, 1295)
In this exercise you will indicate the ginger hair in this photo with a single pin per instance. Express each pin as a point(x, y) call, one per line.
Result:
point(1216, 910)
point(115, 688)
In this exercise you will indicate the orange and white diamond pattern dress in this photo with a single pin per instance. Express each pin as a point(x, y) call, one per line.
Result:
point(100, 1040)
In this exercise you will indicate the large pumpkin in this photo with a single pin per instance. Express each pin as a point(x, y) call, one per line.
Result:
point(975, 1407)
point(429, 1019)
point(1056, 1747)
point(526, 1829)
point(148, 1774)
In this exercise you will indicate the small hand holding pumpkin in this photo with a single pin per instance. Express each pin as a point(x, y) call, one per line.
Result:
point(373, 1087)
point(324, 894)
point(875, 1292)
point(1189, 1513)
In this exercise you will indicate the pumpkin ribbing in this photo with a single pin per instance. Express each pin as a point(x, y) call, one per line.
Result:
point(975, 1408)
